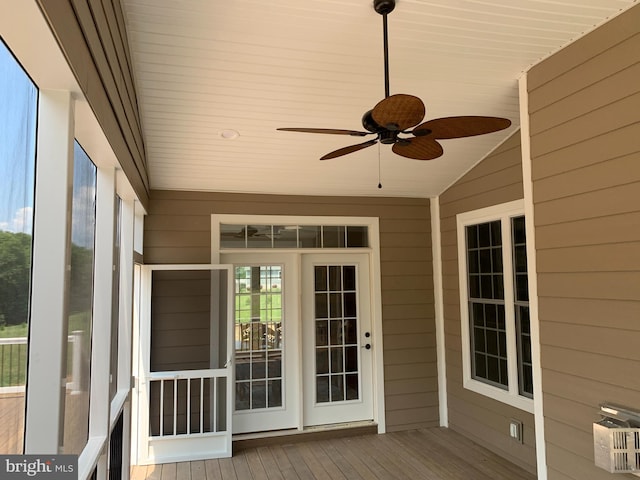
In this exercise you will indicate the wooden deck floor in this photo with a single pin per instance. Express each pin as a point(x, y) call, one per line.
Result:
point(11, 423)
point(430, 454)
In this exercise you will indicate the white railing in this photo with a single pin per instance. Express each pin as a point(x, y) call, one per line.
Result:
point(187, 402)
point(13, 364)
point(13, 341)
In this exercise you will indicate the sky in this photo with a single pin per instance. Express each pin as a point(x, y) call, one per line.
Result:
point(18, 110)
point(18, 118)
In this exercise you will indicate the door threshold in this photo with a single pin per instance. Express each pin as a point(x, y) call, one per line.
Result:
point(340, 426)
point(294, 435)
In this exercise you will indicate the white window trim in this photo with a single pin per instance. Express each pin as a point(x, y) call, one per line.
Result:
point(502, 212)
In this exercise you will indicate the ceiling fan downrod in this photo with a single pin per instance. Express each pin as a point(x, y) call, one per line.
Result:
point(384, 7)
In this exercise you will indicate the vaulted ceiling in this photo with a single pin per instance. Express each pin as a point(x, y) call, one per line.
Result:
point(204, 68)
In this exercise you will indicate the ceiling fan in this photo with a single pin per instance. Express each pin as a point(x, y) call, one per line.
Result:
point(396, 114)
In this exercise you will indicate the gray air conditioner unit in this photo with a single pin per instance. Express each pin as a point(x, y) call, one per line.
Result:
point(616, 440)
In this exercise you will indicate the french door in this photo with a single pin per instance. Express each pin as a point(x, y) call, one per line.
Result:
point(303, 340)
point(337, 339)
point(265, 340)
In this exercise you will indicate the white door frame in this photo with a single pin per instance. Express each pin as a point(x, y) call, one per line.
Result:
point(183, 447)
point(288, 416)
point(372, 223)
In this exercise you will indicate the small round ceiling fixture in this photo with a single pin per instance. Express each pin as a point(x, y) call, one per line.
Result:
point(229, 134)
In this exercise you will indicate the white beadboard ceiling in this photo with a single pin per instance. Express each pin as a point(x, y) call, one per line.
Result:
point(205, 66)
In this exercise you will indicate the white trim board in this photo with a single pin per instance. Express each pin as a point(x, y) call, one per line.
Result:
point(527, 181)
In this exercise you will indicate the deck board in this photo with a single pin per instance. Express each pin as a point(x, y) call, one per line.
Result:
point(11, 423)
point(429, 454)
point(197, 470)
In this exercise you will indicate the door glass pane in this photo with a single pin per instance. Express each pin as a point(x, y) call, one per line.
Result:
point(322, 333)
point(337, 367)
point(18, 107)
point(258, 337)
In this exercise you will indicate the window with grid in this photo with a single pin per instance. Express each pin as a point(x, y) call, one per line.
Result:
point(486, 303)
point(521, 300)
point(496, 326)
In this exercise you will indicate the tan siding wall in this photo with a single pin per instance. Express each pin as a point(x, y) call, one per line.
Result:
point(585, 146)
point(495, 180)
point(178, 230)
point(91, 33)
point(180, 313)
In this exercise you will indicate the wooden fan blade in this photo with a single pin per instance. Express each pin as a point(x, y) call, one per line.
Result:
point(349, 149)
point(418, 148)
point(398, 112)
point(458, 127)
point(331, 131)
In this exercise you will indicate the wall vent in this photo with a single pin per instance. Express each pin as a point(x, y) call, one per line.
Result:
point(616, 441)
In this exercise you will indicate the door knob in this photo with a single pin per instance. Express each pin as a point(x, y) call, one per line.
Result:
point(368, 346)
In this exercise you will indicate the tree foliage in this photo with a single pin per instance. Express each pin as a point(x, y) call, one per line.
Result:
point(81, 290)
point(15, 278)
point(15, 275)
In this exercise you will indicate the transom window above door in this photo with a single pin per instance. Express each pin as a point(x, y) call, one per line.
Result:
point(293, 236)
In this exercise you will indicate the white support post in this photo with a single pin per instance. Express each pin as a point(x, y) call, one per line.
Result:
point(136, 367)
point(48, 323)
point(99, 419)
point(102, 302)
point(125, 314)
point(125, 317)
point(527, 180)
point(436, 252)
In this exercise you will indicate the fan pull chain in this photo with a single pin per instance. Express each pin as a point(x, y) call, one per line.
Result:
point(379, 175)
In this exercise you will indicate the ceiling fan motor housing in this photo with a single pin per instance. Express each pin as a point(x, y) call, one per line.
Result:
point(370, 124)
point(388, 137)
point(384, 7)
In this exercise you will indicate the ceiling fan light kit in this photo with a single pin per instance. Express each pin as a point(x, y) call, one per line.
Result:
point(397, 114)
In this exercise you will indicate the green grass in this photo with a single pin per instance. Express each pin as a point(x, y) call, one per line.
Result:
point(13, 331)
point(13, 358)
point(77, 321)
point(270, 307)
